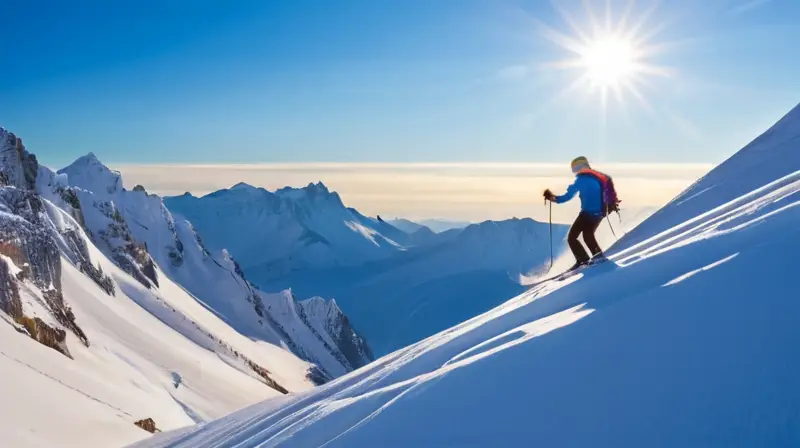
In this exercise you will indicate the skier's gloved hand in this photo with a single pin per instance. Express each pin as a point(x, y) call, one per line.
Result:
point(549, 196)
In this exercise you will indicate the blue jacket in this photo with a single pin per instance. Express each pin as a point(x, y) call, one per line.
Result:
point(590, 191)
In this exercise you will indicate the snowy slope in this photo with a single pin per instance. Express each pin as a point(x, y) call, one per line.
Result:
point(275, 233)
point(141, 233)
point(689, 338)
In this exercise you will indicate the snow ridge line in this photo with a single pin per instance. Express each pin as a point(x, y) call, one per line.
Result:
point(626, 253)
point(711, 227)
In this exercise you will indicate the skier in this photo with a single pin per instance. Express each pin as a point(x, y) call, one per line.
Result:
point(598, 199)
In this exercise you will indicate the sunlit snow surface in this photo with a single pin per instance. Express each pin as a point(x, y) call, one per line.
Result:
point(689, 338)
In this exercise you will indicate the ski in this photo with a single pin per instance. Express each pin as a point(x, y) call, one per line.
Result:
point(569, 273)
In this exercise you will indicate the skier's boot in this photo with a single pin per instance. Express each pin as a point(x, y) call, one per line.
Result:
point(578, 265)
point(597, 258)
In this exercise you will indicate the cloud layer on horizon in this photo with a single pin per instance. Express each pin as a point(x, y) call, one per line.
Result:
point(470, 191)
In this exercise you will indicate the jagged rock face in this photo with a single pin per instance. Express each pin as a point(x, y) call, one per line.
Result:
point(18, 168)
point(335, 323)
point(80, 251)
point(9, 292)
point(352, 345)
point(26, 240)
point(312, 330)
point(111, 231)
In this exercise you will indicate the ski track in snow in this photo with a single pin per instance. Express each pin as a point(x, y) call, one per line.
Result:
point(52, 378)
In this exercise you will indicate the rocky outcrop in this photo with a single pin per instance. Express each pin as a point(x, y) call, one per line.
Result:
point(27, 237)
point(27, 242)
point(80, 251)
point(351, 344)
point(123, 249)
point(327, 317)
point(9, 291)
point(18, 167)
point(148, 425)
point(316, 331)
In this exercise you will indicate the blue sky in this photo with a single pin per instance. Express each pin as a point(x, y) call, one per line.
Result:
point(206, 81)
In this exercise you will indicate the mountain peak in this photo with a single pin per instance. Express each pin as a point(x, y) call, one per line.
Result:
point(243, 186)
point(87, 160)
point(310, 191)
point(88, 173)
point(319, 187)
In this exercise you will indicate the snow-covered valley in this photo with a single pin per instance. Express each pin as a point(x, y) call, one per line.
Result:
point(686, 338)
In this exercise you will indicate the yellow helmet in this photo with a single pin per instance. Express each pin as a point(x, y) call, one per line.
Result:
point(579, 163)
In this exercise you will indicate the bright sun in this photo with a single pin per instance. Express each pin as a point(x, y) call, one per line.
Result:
point(612, 57)
point(609, 61)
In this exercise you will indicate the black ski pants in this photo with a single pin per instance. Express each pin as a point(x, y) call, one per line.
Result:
point(585, 224)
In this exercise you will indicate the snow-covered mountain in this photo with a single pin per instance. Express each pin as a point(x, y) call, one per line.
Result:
point(100, 332)
point(273, 234)
point(687, 338)
point(138, 231)
point(397, 287)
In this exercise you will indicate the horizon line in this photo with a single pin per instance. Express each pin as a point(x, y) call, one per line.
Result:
point(409, 165)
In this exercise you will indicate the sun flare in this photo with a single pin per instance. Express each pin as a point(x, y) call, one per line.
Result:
point(609, 61)
point(611, 56)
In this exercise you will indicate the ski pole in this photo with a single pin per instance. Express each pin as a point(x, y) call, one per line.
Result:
point(551, 235)
point(612, 228)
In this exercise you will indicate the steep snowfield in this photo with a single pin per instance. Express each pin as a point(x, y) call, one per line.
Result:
point(689, 338)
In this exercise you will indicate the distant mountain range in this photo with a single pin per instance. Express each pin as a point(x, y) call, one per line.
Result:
point(435, 225)
point(398, 281)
